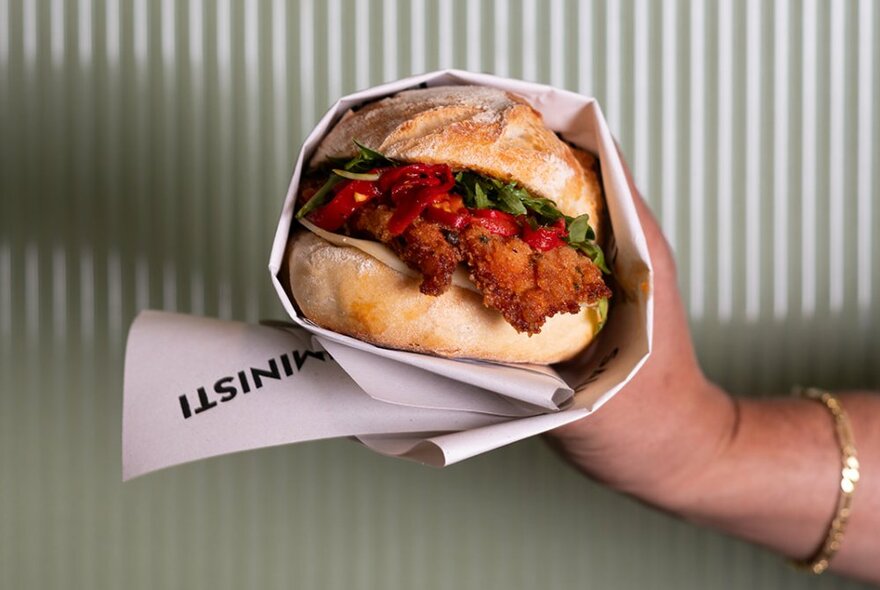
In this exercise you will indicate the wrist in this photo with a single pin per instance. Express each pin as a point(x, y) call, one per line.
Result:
point(762, 485)
point(701, 439)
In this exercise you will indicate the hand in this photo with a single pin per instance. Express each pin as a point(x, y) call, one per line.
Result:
point(767, 471)
point(669, 420)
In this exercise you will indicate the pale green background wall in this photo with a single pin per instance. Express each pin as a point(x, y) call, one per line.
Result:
point(145, 150)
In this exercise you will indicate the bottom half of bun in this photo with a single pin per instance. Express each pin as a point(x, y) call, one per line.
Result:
point(348, 291)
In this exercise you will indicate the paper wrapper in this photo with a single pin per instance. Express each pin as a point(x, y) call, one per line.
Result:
point(197, 387)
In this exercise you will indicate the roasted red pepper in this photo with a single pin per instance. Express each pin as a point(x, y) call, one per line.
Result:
point(449, 211)
point(447, 218)
point(545, 238)
point(409, 208)
point(351, 196)
point(413, 188)
point(393, 176)
point(497, 222)
point(418, 189)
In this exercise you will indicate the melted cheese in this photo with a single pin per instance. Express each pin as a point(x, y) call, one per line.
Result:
point(385, 255)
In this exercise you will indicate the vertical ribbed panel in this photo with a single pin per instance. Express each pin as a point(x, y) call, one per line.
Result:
point(145, 150)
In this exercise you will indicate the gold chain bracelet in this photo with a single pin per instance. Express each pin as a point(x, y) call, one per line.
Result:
point(849, 472)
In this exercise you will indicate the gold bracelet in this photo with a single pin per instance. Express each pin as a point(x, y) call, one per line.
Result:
point(849, 472)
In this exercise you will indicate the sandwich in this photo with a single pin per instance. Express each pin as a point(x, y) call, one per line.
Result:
point(451, 221)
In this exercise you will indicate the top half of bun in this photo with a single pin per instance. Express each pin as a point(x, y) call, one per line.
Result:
point(477, 128)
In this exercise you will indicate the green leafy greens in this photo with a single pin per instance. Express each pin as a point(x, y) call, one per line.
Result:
point(482, 192)
point(478, 192)
point(319, 198)
point(365, 160)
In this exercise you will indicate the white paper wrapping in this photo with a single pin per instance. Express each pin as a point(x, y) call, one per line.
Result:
point(186, 377)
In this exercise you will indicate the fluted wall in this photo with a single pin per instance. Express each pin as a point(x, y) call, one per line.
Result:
point(144, 150)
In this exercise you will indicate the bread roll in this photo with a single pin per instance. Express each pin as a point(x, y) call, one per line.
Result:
point(483, 129)
point(467, 127)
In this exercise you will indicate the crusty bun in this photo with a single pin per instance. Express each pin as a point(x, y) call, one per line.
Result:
point(347, 291)
point(597, 210)
point(467, 127)
point(476, 128)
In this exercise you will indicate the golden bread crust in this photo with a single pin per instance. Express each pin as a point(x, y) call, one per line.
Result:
point(467, 127)
point(598, 212)
point(486, 130)
point(347, 291)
